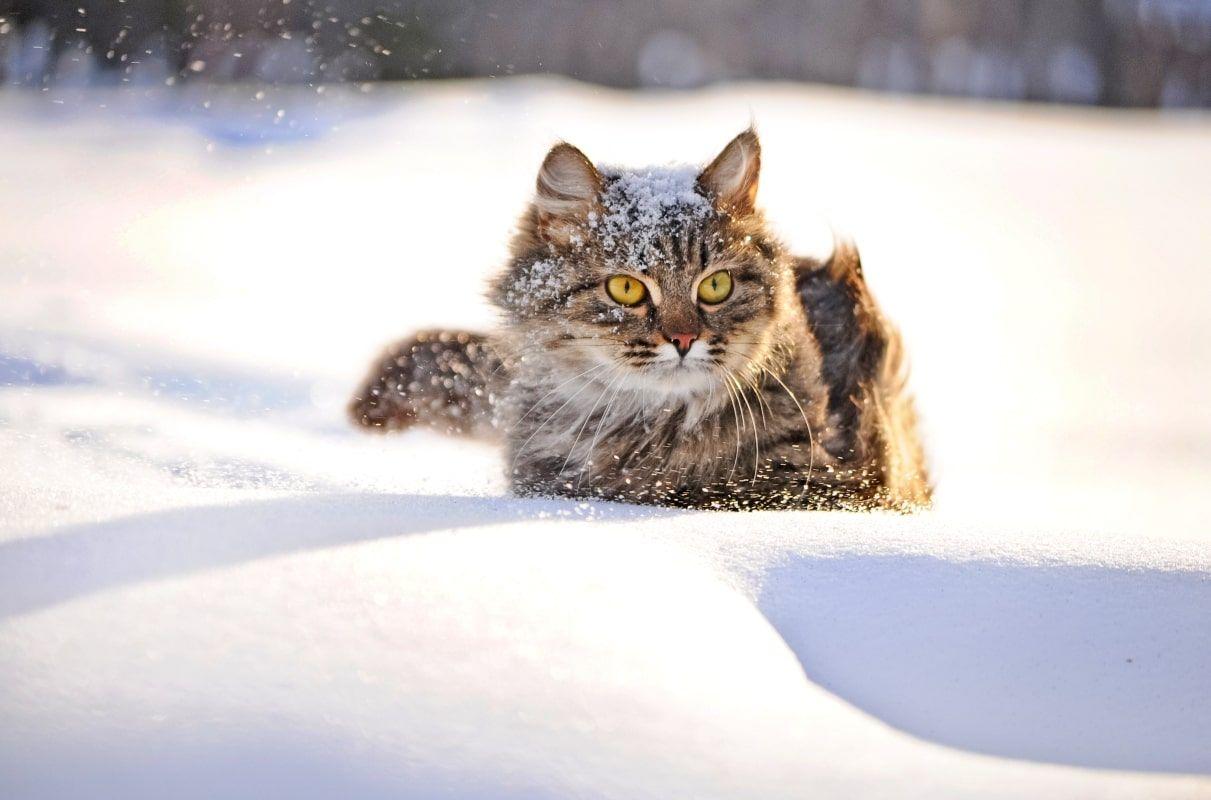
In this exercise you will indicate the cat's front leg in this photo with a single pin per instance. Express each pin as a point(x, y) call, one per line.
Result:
point(447, 380)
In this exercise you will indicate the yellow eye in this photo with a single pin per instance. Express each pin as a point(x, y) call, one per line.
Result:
point(626, 290)
point(716, 287)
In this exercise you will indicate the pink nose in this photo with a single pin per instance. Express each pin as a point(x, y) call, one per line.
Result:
point(682, 341)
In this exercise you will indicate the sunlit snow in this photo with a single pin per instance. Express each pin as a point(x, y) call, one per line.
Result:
point(210, 583)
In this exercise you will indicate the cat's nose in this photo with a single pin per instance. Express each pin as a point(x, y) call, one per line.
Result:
point(682, 341)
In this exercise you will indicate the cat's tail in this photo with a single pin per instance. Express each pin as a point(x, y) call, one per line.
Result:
point(448, 380)
point(866, 371)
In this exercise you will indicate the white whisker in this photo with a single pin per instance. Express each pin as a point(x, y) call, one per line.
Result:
point(597, 433)
point(588, 416)
point(557, 388)
point(736, 419)
point(811, 440)
point(550, 417)
point(756, 438)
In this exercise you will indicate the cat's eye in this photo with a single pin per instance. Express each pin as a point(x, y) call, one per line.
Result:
point(716, 287)
point(626, 290)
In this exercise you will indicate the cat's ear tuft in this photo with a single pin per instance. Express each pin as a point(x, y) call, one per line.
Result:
point(567, 189)
point(731, 179)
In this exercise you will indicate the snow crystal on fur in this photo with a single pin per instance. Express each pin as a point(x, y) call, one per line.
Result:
point(540, 284)
point(638, 205)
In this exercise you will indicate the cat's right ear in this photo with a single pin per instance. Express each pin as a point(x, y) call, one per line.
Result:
point(567, 190)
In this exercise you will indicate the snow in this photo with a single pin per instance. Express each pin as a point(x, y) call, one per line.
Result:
point(211, 586)
point(540, 284)
point(638, 204)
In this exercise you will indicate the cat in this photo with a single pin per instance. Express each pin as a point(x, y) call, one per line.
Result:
point(658, 345)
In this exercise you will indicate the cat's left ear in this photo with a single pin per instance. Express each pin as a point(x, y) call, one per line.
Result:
point(731, 179)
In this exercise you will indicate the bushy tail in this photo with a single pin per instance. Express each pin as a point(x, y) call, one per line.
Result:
point(446, 380)
point(866, 372)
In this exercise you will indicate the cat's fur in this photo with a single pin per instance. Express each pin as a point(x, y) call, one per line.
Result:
point(792, 395)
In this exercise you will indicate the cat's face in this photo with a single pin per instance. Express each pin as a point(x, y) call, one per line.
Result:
point(659, 282)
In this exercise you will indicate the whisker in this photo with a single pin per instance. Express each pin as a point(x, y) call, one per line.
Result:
point(597, 433)
point(556, 389)
point(811, 440)
point(550, 417)
point(756, 439)
point(752, 380)
point(584, 424)
point(736, 419)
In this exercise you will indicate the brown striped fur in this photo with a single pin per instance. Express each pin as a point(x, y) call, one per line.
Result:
point(793, 395)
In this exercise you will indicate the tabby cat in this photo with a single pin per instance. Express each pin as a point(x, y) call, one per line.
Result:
point(658, 345)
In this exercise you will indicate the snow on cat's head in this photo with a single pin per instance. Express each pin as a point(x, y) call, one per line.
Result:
point(662, 282)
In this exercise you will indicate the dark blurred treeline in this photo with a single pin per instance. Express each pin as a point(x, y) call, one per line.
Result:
point(1109, 52)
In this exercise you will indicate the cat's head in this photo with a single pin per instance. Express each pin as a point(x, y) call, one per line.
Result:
point(662, 281)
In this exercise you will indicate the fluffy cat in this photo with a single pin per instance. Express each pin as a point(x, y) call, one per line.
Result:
point(658, 345)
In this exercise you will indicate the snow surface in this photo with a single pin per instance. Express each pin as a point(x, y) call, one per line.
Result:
point(211, 586)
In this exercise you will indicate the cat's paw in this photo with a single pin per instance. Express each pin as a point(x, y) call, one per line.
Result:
point(385, 401)
point(440, 379)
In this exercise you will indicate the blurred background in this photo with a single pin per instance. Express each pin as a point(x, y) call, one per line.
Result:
point(1135, 53)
